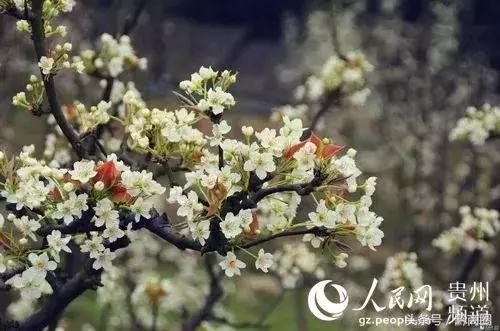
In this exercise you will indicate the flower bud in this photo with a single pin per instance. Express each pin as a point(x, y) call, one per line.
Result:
point(46, 172)
point(99, 186)
point(247, 130)
point(23, 241)
point(58, 175)
point(68, 187)
point(11, 217)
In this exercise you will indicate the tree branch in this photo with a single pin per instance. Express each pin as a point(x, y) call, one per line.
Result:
point(160, 226)
point(131, 20)
point(324, 107)
point(321, 232)
point(38, 36)
point(215, 294)
point(301, 189)
point(84, 280)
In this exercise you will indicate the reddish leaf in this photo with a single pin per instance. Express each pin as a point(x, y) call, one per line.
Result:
point(108, 174)
point(119, 194)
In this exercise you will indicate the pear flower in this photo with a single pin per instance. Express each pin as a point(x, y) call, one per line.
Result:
point(46, 64)
point(30, 283)
point(315, 241)
point(231, 226)
point(83, 171)
point(339, 260)
point(113, 231)
point(231, 265)
point(104, 259)
point(58, 243)
point(140, 208)
point(323, 216)
point(261, 163)
point(264, 261)
point(189, 205)
point(201, 231)
point(41, 263)
point(346, 212)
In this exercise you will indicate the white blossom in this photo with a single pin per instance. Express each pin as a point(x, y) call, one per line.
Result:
point(46, 64)
point(264, 261)
point(231, 265)
point(83, 171)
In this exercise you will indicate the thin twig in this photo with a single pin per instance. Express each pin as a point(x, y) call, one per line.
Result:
point(315, 230)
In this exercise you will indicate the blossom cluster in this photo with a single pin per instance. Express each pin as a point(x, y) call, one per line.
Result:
point(293, 261)
point(478, 124)
point(476, 229)
point(32, 98)
point(164, 134)
point(207, 90)
point(93, 193)
point(215, 191)
point(112, 58)
point(402, 270)
point(343, 75)
point(51, 9)
point(89, 119)
point(58, 59)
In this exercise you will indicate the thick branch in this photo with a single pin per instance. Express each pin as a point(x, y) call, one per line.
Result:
point(161, 227)
point(215, 294)
point(78, 284)
point(81, 225)
point(84, 280)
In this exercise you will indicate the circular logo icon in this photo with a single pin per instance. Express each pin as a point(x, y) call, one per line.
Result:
point(321, 306)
